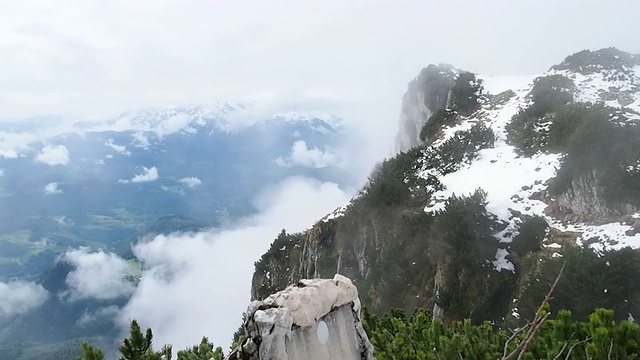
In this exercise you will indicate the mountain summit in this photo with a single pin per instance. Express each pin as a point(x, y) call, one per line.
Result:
point(491, 193)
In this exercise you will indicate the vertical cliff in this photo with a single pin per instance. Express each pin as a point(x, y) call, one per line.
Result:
point(426, 94)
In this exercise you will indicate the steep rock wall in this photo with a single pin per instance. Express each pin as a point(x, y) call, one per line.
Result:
point(583, 200)
point(391, 256)
point(427, 93)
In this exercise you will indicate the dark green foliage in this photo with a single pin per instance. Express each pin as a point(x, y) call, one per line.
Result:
point(204, 351)
point(570, 117)
point(465, 93)
point(138, 346)
point(467, 229)
point(89, 352)
point(530, 235)
point(435, 122)
point(587, 62)
point(605, 150)
point(466, 241)
point(589, 279)
point(275, 263)
point(390, 183)
point(551, 92)
point(461, 148)
point(596, 146)
point(527, 132)
point(238, 337)
point(529, 129)
point(280, 247)
point(420, 336)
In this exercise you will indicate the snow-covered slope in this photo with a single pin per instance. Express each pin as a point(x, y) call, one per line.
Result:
point(511, 181)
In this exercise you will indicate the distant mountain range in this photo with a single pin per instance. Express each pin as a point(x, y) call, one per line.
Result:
point(103, 184)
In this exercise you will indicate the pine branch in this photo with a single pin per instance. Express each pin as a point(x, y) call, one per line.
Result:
point(538, 321)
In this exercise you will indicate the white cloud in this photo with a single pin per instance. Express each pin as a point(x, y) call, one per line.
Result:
point(8, 153)
point(190, 181)
point(52, 188)
point(103, 314)
point(99, 162)
point(97, 275)
point(141, 139)
point(17, 297)
point(147, 174)
point(174, 124)
point(1, 172)
point(53, 155)
point(120, 149)
point(311, 157)
point(87, 56)
point(198, 284)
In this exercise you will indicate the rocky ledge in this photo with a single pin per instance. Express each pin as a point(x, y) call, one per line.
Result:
point(313, 319)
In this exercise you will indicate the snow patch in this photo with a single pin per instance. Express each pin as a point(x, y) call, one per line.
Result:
point(501, 262)
point(339, 212)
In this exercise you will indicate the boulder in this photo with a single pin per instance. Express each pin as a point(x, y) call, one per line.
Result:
point(313, 319)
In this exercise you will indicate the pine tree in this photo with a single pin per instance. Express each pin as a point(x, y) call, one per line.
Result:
point(204, 351)
point(89, 352)
point(139, 346)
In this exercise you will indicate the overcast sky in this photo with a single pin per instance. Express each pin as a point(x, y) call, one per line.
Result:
point(87, 57)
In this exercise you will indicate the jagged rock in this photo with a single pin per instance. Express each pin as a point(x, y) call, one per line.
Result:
point(584, 199)
point(313, 319)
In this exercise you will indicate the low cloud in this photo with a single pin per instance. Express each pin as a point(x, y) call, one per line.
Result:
point(120, 149)
point(190, 181)
point(97, 275)
point(147, 174)
point(302, 155)
point(8, 153)
point(53, 155)
point(100, 315)
point(141, 140)
point(52, 188)
point(174, 124)
point(198, 284)
point(18, 297)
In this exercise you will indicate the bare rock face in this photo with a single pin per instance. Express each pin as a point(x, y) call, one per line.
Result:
point(584, 200)
point(427, 93)
point(313, 319)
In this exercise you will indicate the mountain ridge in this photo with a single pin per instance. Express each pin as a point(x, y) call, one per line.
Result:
point(493, 167)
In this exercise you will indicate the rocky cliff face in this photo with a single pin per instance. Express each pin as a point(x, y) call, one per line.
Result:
point(583, 201)
point(426, 94)
point(416, 237)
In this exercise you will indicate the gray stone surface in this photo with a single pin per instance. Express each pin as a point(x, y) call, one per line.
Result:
point(313, 319)
point(427, 93)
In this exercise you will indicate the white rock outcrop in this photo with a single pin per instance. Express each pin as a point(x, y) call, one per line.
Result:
point(313, 319)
